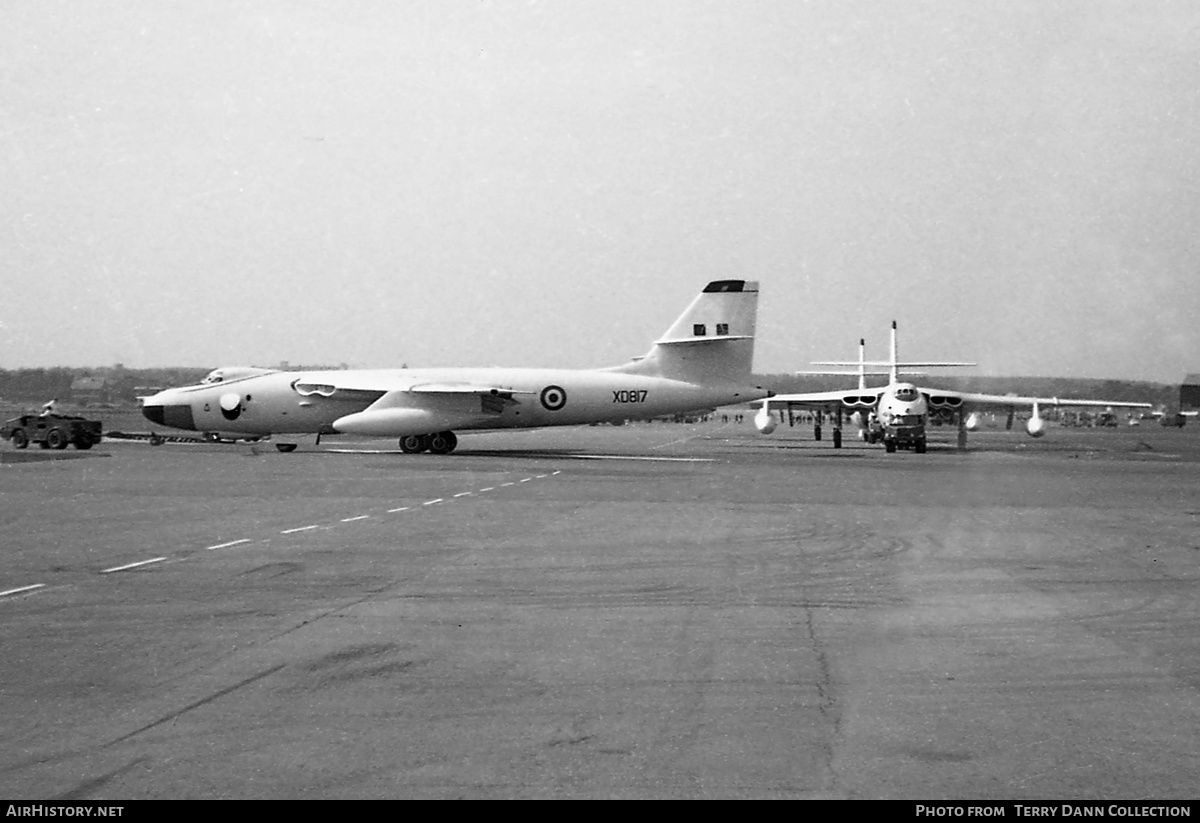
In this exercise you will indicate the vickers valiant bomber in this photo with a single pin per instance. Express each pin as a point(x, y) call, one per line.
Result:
point(703, 361)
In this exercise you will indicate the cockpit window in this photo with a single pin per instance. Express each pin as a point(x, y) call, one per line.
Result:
point(907, 394)
point(228, 374)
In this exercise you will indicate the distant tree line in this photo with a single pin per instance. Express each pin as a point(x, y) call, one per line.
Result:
point(115, 384)
point(119, 384)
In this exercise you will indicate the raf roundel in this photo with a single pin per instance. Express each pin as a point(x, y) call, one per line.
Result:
point(554, 398)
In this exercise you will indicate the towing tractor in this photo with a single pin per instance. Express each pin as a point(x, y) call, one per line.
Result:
point(904, 431)
point(52, 431)
point(897, 431)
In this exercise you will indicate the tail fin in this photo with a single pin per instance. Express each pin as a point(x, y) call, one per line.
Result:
point(712, 342)
point(862, 364)
point(896, 368)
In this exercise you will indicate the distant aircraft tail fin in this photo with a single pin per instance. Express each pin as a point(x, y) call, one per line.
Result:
point(896, 368)
point(712, 342)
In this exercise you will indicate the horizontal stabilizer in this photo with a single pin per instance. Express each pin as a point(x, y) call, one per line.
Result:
point(686, 341)
point(854, 373)
point(889, 364)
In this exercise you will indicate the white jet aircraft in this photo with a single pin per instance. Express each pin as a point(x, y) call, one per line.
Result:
point(897, 414)
point(702, 361)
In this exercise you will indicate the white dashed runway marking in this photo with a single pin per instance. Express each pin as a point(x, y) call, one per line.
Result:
point(244, 540)
point(133, 565)
point(230, 543)
point(34, 587)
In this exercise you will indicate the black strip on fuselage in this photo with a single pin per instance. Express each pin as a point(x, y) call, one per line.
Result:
point(176, 416)
point(725, 285)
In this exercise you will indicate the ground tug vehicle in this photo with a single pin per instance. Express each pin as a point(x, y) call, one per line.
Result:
point(52, 431)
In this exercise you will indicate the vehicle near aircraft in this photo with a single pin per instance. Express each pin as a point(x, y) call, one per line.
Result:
point(898, 413)
point(51, 430)
point(703, 360)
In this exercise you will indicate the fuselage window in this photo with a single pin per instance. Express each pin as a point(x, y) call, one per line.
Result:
point(699, 330)
point(722, 329)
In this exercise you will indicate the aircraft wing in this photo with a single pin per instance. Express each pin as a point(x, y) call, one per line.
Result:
point(388, 381)
point(824, 399)
point(942, 397)
point(385, 390)
point(462, 388)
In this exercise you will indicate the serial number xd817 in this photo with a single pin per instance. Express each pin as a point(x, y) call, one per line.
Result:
point(635, 396)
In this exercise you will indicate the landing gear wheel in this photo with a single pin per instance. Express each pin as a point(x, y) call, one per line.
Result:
point(56, 439)
point(442, 442)
point(837, 438)
point(155, 440)
point(816, 432)
point(414, 443)
point(285, 447)
point(889, 446)
point(20, 439)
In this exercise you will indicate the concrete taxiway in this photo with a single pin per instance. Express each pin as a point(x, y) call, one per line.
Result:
point(551, 614)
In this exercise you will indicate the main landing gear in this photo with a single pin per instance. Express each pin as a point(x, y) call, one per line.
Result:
point(439, 443)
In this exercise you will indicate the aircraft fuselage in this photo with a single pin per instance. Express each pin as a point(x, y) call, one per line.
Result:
point(311, 402)
point(899, 418)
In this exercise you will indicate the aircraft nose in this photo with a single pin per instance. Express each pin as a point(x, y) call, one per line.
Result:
point(155, 414)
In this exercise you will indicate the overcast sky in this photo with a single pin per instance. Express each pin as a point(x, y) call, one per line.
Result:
point(453, 183)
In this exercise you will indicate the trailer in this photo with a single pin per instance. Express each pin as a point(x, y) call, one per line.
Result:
point(52, 431)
